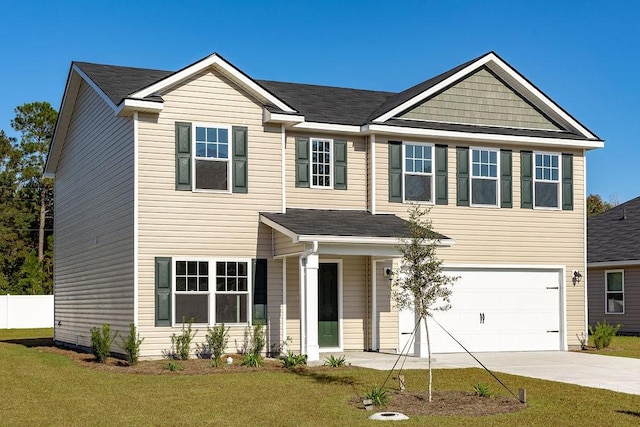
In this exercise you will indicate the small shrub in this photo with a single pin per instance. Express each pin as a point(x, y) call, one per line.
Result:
point(291, 360)
point(378, 396)
point(173, 366)
point(252, 360)
point(482, 390)
point(181, 344)
point(583, 340)
point(101, 340)
point(217, 339)
point(603, 334)
point(334, 362)
point(257, 339)
point(131, 344)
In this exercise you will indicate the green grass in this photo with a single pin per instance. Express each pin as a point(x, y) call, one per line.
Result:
point(620, 346)
point(40, 388)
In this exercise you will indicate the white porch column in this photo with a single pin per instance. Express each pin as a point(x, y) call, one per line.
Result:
point(374, 306)
point(420, 347)
point(311, 306)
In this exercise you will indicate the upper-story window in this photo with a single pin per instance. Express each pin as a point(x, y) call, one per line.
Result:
point(418, 172)
point(321, 163)
point(546, 180)
point(484, 177)
point(211, 160)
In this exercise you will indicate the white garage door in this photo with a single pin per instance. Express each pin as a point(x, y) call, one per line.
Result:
point(497, 310)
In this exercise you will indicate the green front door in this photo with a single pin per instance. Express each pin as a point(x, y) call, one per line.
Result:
point(328, 305)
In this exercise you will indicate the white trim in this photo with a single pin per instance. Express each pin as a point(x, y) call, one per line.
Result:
point(136, 225)
point(631, 262)
point(212, 292)
point(558, 182)
point(496, 179)
point(212, 60)
point(128, 106)
point(489, 58)
point(372, 141)
point(584, 243)
point(331, 163)
point(431, 174)
point(283, 308)
point(283, 167)
point(302, 304)
point(480, 137)
point(469, 266)
point(359, 250)
point(278, 227)
point(338, 261)
point(269, 117)
point(95, 87)
point(374, 306)
point(607, 292)
point(328, 127)
point(194, 157)
point(361, 239)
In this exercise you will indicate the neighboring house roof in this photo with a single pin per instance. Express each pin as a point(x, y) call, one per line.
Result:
point(614, 236)
point(345, 223)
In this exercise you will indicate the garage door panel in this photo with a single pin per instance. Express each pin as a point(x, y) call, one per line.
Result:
point(499, 310)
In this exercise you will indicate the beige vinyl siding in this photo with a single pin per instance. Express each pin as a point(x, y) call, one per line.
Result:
point(354, 197)
point(507, 236)
point(481, 99)
point(199, 224)
point(596, 292)
point(293, 302)
point(94, 223)
point(387, 312)
point(283, 245)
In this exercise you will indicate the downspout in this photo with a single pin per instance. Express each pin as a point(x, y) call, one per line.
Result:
point(584, 219)
point(135, 219)
point(283, 308)
point(373, 173)
point(283, 167)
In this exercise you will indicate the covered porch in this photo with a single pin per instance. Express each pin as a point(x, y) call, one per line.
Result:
point(336, 277)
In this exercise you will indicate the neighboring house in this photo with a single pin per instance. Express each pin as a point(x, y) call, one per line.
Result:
point(613, 266)
point(207, 194)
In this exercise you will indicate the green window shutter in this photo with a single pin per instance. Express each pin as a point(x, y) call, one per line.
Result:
point(526, 179)
point(302, 162)
point(239, 159)
point(462, 176)
point(183, 156)
point(441, 175)
point(506, 192)
point(259, 290)
point(395, 172)
point(163, 291)
point(340, 164)
point(567, 182)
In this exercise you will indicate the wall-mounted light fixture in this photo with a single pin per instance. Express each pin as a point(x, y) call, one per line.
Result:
point(387, 272)
point(576, 277)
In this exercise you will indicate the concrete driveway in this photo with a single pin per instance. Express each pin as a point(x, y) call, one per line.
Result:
point(591, 370)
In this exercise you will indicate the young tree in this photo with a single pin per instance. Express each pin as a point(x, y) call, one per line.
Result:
point(420, 284)
point(596, 206)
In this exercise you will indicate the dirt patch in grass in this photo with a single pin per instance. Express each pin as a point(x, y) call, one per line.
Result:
point(446, 403)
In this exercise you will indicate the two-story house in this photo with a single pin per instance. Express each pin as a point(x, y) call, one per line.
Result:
point(205, 194)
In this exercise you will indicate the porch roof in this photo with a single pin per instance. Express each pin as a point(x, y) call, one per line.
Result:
point(341, 226)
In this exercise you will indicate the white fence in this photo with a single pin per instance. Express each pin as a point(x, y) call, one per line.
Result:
point(26, 311)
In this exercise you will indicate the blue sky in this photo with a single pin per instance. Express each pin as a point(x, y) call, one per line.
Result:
point(583, 54)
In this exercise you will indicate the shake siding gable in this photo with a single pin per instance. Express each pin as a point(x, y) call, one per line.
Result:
point(94, 223)
point(197, 224)
point(506, 236)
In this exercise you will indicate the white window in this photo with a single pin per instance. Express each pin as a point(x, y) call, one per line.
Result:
point(484, 177)
point(614, 292)
point(208, 291)
point(211, 167)
point(321, 163)
point(418, 172)
point(546, 186)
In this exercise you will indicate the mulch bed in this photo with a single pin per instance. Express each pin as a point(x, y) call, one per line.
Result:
point(444, 403)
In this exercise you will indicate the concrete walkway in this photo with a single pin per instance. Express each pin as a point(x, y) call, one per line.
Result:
point(591, 370)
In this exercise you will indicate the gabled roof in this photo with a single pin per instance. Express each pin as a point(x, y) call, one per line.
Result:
point(614, 236)
point(332, 225)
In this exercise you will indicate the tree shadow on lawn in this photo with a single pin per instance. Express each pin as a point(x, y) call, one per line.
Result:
point(632, 413)
point(31, 342)
point(319, 374)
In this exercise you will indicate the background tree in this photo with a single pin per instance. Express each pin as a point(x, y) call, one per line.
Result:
point(420, 284)
point(596, 206)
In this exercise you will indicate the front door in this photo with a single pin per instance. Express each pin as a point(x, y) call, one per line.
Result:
point(328, 335)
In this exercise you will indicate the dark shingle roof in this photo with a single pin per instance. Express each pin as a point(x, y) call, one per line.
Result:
point(326, 104)
point(615, 234)
point(321, 222)
point(119, 82)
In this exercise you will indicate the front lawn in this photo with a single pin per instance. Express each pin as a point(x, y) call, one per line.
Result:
point(620, 346)
point(39, 387)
